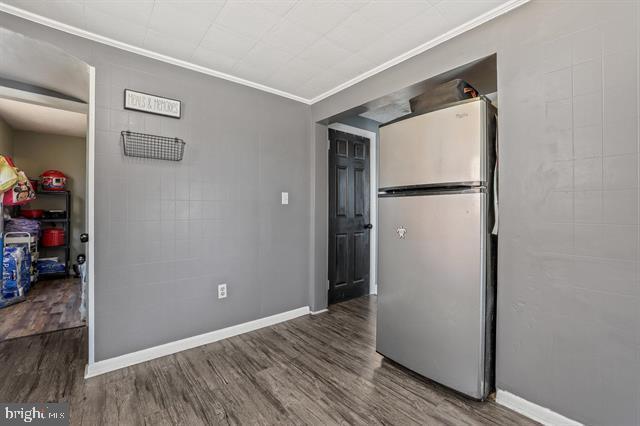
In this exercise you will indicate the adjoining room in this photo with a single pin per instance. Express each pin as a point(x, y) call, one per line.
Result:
point(44, 256)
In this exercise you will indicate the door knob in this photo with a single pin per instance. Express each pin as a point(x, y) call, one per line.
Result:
point(84, 238)
point(368, 226)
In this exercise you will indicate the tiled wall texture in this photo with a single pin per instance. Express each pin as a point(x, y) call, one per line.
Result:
point(171, 232)
point(168, 233)
point(570, 297)
point(568, 282)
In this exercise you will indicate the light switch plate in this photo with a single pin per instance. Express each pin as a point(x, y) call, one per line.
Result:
point(285, 198)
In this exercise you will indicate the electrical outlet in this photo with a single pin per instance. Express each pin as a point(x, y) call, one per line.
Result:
point(222, 291)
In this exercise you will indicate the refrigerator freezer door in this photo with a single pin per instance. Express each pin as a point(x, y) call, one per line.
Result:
point(431, 287)
point(443, 146)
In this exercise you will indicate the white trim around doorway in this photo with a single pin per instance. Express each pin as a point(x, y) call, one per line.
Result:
point(90, 217)
point(373, 197)
point(88, 109)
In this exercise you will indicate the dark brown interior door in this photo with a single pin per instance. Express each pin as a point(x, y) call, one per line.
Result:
point(349, 226)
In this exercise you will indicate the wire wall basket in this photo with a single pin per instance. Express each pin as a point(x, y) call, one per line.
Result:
point(150, 146)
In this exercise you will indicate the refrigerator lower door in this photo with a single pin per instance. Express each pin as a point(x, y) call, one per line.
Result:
point(431, 287)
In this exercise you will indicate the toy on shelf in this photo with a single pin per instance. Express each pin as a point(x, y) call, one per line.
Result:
point(53, 180)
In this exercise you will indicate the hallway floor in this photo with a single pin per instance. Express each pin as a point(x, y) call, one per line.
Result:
point(311, 370)
point(51, 305)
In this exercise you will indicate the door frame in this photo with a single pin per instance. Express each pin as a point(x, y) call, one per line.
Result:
point(90, 110)
point(90, 213)
point(373, 197)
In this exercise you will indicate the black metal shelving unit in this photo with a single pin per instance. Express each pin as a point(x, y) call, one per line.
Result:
point(66, 224)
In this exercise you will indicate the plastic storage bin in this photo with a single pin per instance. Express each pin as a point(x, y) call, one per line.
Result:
point(52, 237)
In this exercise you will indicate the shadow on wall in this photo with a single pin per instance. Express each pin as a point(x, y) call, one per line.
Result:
point(40, 64)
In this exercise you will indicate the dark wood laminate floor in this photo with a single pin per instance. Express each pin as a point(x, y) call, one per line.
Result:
point(312, 370)
point(50, 305)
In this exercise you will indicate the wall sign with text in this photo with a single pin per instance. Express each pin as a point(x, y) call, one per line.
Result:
point(152, 104)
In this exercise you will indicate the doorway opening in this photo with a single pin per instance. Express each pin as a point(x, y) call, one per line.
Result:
point(46, 138)
point(352, 210)
point(347, 240)
point(436, 141)
point(48, 145)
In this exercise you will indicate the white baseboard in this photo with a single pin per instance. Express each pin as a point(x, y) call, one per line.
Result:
point(321, 311)
point(148, 354)
point(533, 411)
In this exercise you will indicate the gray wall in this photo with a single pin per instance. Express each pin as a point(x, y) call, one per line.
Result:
point(36, 152)
point(360, 123)
point(6, 138)
point(568, 290)
point(168, 233)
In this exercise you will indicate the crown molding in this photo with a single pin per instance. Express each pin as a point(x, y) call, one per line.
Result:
point(469, 25)
point(51, 23)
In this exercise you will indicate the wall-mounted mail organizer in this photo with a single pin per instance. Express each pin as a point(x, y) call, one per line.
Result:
point(150, 146)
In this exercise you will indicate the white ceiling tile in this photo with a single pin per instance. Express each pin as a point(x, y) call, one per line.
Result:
point(261, 63)
point(319, 16)
point(355, 5)
point(321, 83)
point(223, 40)
point(251, 72)
point(423, 28)
point(251, 21)
point(172, 20)
point(136, 11)
point(214, 60)
point(158, 41)
point(277, 7)
point(116, 28)
point(390, 15)
point(265, 56)
point(290, 37)
point(381, 51)
point(355, 33)
point(205, 8)
point(324, 53)
point(352, 66)
point(294, 72)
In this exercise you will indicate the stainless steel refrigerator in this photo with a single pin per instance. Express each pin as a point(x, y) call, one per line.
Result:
point(436, 287)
